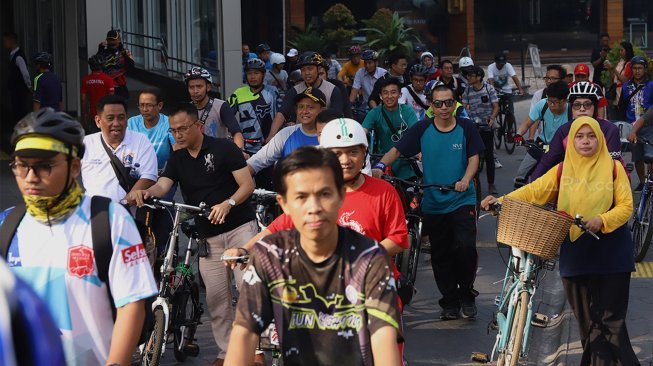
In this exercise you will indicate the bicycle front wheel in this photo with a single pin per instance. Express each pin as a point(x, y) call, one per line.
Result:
point(186, 319)
point(154, 344)
point(415, 242)
point(509, 133)
point(642, 232)
point(516, 336)
point(498, 131)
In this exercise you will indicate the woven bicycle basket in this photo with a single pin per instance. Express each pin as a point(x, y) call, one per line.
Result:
point(532, 228)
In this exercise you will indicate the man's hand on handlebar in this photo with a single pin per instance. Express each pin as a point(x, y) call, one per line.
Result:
point(232, 263)
point(138, 197)
point(519, 139)
point(219, 213)
point(488, 202)
point(632, 137)
point(377, 173)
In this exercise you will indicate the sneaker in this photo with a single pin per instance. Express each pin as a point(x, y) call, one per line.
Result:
point(497, 164)
point(469, 310)
point(493, 189)
point(639, 188)
point(450, 313)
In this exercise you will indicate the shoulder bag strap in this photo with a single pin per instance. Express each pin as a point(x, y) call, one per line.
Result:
point(416, 98)
point(206, 112)
point(282, 84)
point(388, 122)
point(9, 226)
point(118, 168)
point(102, 244)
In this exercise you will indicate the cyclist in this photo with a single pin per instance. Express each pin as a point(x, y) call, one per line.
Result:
point(583, 99)
point(390, 120)
point(482, 104)
point(291, 60)
point(553, 73)
point(365, 79)
point(53, 250)
point(552, 112)
point(323, 73)
point(309, 63)
point(428, 61)
point(450, 147)
point(117, 60)
point(317, 260)
point(277, 76)
point(641, 127)
point(498, 74)
point(465, 64)
point(210, 170)
point(596, 277)
point(459, 110)
point(308, 104)
point(95, 85)
point(413, 94)
point(397, 63)
point(349, 68)
point(450, 80)
point(255, 105)
point(47, 87)
point(264, 53)
point(582, 73)
point(216, 118)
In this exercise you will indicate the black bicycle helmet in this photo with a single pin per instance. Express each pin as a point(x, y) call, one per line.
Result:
point(309, 58)
point(95, 61)
point(263, 47)
point(294, 78)
point(641, 60)
point(43, 59)
point(198, 73)
point(419, 70)
point(500, 58)
point(583, 89)
point(47, 122)
point(369, 55)
point(255, 64)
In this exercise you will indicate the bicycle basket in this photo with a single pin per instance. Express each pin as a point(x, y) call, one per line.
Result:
point(532, 228)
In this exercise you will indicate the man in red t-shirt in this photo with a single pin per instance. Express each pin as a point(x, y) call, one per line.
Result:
point(95, 85)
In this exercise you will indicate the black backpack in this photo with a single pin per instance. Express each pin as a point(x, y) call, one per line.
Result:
point(100, 232)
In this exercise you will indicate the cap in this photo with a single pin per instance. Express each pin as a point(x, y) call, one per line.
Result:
point(582, 69)
point(113, 34)
point(313, 94)
point(500, 58)
point(292, 53)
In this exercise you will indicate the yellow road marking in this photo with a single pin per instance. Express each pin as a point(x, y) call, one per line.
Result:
point(643, 270)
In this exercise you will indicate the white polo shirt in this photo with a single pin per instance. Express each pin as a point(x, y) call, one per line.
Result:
point(99, 177)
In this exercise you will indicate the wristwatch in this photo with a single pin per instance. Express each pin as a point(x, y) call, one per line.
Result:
point(231, 202)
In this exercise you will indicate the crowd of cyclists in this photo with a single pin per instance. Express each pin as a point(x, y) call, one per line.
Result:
point(323, 140)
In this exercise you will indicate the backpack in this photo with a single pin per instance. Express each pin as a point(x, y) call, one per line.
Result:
point(100, 233)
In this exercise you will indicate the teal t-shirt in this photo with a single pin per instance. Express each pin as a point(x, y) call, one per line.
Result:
point(158, 135)
point(551, 121)
point(402, 119)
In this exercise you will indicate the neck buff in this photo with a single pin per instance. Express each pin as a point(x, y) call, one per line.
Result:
point(52, 209)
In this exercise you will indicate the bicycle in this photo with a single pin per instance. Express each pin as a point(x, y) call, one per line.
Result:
point(643, 216)
point(177, 309)
point(515, 315)
point(411, 194)
point(505, 122)
point(267, 208)
point(540, 149)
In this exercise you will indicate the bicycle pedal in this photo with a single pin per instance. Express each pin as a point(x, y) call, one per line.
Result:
point(480, 357)
point(192, 350)
point(539, 320)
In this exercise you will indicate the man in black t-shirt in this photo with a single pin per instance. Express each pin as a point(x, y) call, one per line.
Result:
point(329, 290)
point(599, 56)
point(210, 170)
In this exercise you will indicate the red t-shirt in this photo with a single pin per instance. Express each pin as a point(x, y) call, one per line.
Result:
point(96, 85)
point(374, 210)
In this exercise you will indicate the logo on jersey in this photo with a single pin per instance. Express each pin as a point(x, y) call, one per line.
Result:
point(128, 159)
point(13, 256)
point(347, 221)
point(208, 163)
point(80, 261)
point(134, 254)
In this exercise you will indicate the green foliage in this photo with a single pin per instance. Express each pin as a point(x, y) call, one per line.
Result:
point(308, 40)
point(389, 35)
point(613, 57)
point(339, 24)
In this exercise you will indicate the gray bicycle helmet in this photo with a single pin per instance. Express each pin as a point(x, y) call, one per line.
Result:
point(198, 73)
point(641, 60)
point(419, 70)
point(48, 123)
point(255, 64)
point(43, 59)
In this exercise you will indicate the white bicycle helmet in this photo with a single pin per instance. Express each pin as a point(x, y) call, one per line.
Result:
point(465, 62)
point(277, 58)
point(198, 73)
point(583, 89)
point(425, 55)
point(343, 132)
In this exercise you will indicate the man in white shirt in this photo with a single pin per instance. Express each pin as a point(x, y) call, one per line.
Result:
point(499, 73)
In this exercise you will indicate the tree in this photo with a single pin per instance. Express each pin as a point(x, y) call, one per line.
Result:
point(308, 40)
point(339, 25)
point(389, 34)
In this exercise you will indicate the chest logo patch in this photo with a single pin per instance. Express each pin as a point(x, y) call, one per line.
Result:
point(80, 261)
point(134, 255)
point(209, 163)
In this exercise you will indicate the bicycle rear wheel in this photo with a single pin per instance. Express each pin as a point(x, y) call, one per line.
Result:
point(154, 344)
point(498, 131)
point(642, 232)
point(415, 246)
point(510, 355)
point(186, 318)
point(509, 134)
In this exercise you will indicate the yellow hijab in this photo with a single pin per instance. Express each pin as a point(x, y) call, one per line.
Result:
point(586, 183)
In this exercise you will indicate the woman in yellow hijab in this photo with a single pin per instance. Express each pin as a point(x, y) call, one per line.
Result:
point(595, 273)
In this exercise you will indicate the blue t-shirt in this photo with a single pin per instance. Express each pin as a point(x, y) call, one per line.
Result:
point(158, 135)
point(551, 121)
point(296, 140)
point(47, 90)
point(444, 158)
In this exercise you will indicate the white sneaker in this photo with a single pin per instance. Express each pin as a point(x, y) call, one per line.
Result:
point(497, 164)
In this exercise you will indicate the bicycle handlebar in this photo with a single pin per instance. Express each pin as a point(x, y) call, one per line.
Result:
point(155, 203)
point(262, 193)
point(440, 187)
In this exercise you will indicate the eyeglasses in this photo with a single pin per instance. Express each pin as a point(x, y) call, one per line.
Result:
point(181, 130)
point(586, 105)
point(546, 78)
point(146, 106)
point(42, 170)
point(447, 103)
point(395, 137)
point(554, 101)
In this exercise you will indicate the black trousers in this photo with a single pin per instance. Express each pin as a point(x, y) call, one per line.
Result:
point(600, 303)
point(488, 154)
point(453, 254)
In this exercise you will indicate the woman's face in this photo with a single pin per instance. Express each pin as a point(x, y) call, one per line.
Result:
point(622, 52)
point(585, 142)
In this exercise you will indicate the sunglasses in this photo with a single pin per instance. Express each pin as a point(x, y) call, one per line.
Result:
point(447, 103)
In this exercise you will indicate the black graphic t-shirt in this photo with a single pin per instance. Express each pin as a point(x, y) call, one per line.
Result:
point(324, 312)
